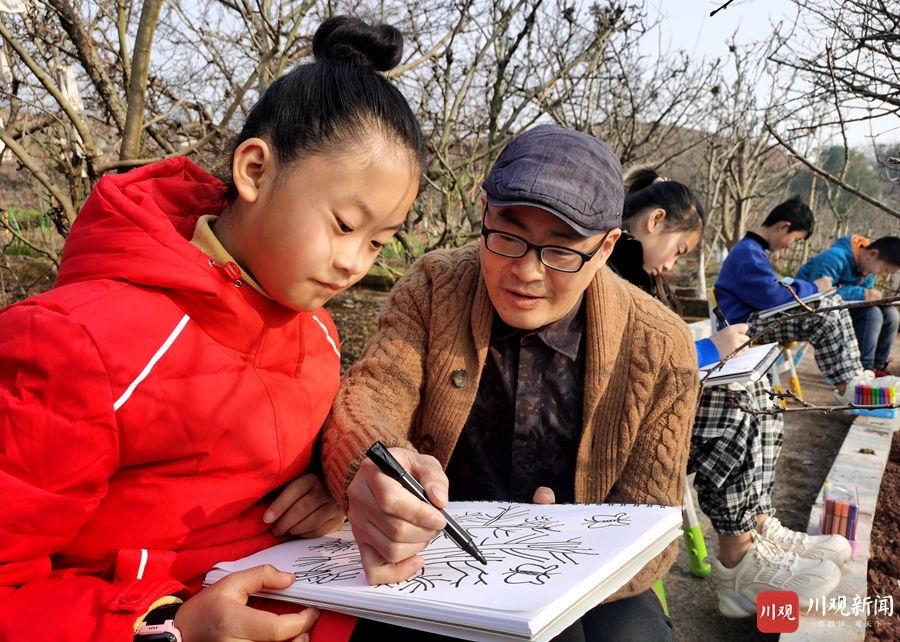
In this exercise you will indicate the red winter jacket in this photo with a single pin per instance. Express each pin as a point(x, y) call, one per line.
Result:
point(147, 406)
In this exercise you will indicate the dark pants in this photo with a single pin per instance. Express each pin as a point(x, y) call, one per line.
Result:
point(634, 618)
point(875, 329)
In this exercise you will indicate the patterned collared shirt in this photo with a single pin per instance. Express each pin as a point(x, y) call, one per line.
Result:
point(525, 425)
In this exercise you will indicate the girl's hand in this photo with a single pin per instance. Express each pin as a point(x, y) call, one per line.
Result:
point(220, 613)
point(304, 508)
point(544, 495)
point(729, 338)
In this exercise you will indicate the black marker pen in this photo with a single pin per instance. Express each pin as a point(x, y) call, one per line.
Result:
point(392, 468)
point(720, 317)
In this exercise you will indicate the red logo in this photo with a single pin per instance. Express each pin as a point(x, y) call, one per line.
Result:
point(777, 612)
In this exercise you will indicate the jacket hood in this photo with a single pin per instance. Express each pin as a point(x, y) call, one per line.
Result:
point(850, 247)
point(136, 227)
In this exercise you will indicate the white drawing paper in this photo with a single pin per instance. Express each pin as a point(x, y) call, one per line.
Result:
point(543, 562)
point(750, 365)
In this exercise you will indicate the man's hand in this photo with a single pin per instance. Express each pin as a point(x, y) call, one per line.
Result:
point(391, 525)
point(824, 283)
point(873, 294)
point(544, 495)
point(304, 508)
point(729, 338)
point(220, 613)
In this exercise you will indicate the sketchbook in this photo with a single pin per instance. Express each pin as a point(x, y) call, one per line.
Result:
point(748, 366)
point(790, 305)
point(547, 566)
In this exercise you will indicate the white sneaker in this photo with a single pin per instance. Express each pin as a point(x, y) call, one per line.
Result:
point(849, 393)
point(766, 567)
point(823, 547)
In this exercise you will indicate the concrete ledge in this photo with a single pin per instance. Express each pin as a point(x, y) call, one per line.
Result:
point(853, 468)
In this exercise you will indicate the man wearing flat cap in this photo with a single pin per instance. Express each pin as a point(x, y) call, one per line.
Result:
point(520, 368)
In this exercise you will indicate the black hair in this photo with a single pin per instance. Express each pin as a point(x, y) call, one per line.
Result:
point(888, 249)
point(338, 102)
point(795, 212)
point(645, 189)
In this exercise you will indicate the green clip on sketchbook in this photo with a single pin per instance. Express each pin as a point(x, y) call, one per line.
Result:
point(547, 565)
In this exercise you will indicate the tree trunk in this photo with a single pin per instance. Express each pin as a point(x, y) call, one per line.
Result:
point(137, 84)
point(701, 275)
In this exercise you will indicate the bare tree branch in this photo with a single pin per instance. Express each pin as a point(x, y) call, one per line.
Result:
point(32, 165)
point(782, 319)
point(724, 6)
point(831, 177)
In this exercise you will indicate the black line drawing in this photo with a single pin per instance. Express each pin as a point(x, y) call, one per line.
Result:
point(525, 542)
point(604, 521)
point(530, 574)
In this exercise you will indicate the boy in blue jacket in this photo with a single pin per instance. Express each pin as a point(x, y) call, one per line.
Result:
point(853, 262)
point(747, 285)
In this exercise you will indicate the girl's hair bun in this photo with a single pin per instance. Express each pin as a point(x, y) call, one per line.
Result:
point(342, 38)
point(640, 178)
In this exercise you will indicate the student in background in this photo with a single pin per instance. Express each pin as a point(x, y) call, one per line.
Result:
point(852, 263)
point(528, 370)
point(747, 284)
point(180, 370)
point(733, 453)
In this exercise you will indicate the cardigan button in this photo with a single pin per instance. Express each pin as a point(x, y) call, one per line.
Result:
point(459, 378)
point(426, 444)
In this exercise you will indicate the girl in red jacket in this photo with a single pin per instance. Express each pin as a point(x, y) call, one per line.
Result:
point(177, 375)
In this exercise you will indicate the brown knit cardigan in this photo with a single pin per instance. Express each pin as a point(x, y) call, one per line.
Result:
point(416, 381)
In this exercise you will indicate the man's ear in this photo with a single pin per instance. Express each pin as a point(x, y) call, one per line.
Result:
point(610, 241)
point(252, 159)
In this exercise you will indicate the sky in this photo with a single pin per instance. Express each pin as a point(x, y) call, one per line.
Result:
point(686, 24)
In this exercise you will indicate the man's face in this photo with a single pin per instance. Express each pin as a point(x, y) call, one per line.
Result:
point(870, 263)
point(526, 293)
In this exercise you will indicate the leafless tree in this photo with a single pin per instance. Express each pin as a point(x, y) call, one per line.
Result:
point(500, 68)
point(108, 85)
point(739, 169)
point(846, 55)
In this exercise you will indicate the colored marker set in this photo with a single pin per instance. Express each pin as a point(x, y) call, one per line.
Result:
point(874, 396)
point(864, 395)
point(841, 513)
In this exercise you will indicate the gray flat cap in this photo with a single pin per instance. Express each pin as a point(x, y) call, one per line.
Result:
point(572, 175)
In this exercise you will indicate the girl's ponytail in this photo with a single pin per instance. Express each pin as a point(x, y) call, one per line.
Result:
point(645, 189)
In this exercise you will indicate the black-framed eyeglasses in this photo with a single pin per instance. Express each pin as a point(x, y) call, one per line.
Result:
point(555, 257)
